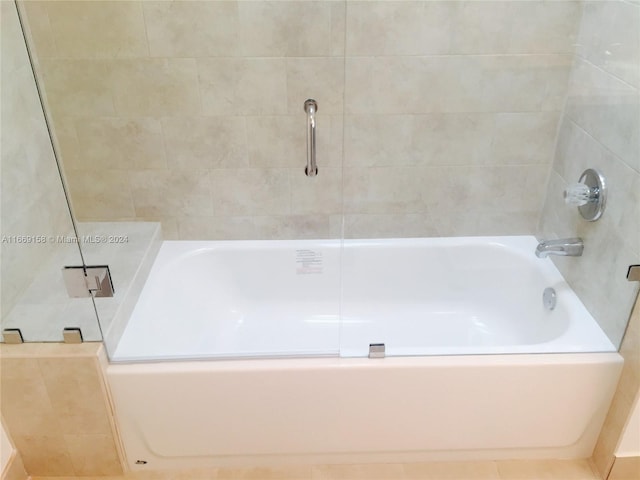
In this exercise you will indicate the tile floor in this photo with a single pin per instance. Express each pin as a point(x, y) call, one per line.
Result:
point(489, 470)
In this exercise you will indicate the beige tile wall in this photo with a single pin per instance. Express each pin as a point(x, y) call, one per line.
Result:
point(54, 402)
point(32, 200)
point(621, 406)
point(600, 129)
point(435, 117)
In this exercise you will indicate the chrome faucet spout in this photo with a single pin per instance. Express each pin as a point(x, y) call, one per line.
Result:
point(571, 247)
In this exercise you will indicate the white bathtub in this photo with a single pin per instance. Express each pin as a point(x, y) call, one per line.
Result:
point(436, 296)
point(436, 304)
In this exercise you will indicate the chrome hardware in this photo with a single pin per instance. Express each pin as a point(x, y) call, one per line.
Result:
point(566, 247)
point(12, 335)
point(311, 107)
point(549, 298)
point(72, 335)
point(88, 281)
point(633, 274)
point(589, 195)
point(376, 350)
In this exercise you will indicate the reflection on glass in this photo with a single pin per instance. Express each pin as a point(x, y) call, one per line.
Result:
point(37, 237)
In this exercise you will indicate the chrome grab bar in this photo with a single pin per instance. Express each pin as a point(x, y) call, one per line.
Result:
point(311, 107)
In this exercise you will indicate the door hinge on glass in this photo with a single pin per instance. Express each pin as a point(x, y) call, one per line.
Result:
point(94, 281)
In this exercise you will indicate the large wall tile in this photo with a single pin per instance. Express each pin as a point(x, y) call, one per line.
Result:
point(40, 28)
point(544, 27)
point(24, 398)
point(281, 141)
point(206, 142)
point(481, 27)
point(94, 455)
point(320, 78)
point(522, 27)
point(435, 139)
point(68, 145)
point(192, 28)
point(388, 226)
point(45, 455)
point(107, 30)
point(321, 194)
point(155, 87)
point(505, 189)
point(291, 28)
point(101, 194)
point(79, 87)
point(217, 228)
point(251, 191)
point(472, 223)
point(516, 83)
point(171, 192)
point(75, 391)
point(503, 83)
point(608, 109)
point(399, 28)
point(119, 143)
point(291, 227)
point(383, 190)
point(402, 85)
point(263, 227)
point(243, 86)
point(524, 138)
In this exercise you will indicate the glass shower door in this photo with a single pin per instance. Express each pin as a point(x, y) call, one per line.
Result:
point(192, 115)
point(38, 237)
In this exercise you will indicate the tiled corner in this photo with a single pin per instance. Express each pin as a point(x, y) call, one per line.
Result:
point(54, 406)
point(599, 129)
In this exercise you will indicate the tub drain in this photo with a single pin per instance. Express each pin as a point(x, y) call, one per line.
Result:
point(549, 298)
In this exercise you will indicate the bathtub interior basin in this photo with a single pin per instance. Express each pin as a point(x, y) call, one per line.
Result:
point(437, 296)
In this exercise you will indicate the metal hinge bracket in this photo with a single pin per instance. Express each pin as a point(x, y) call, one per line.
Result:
point(376, 350)
point(94, 281)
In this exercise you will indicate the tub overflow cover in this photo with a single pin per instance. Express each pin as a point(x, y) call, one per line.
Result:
point(549, 298)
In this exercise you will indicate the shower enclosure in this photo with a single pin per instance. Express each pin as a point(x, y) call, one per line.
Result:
point(432, 119)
